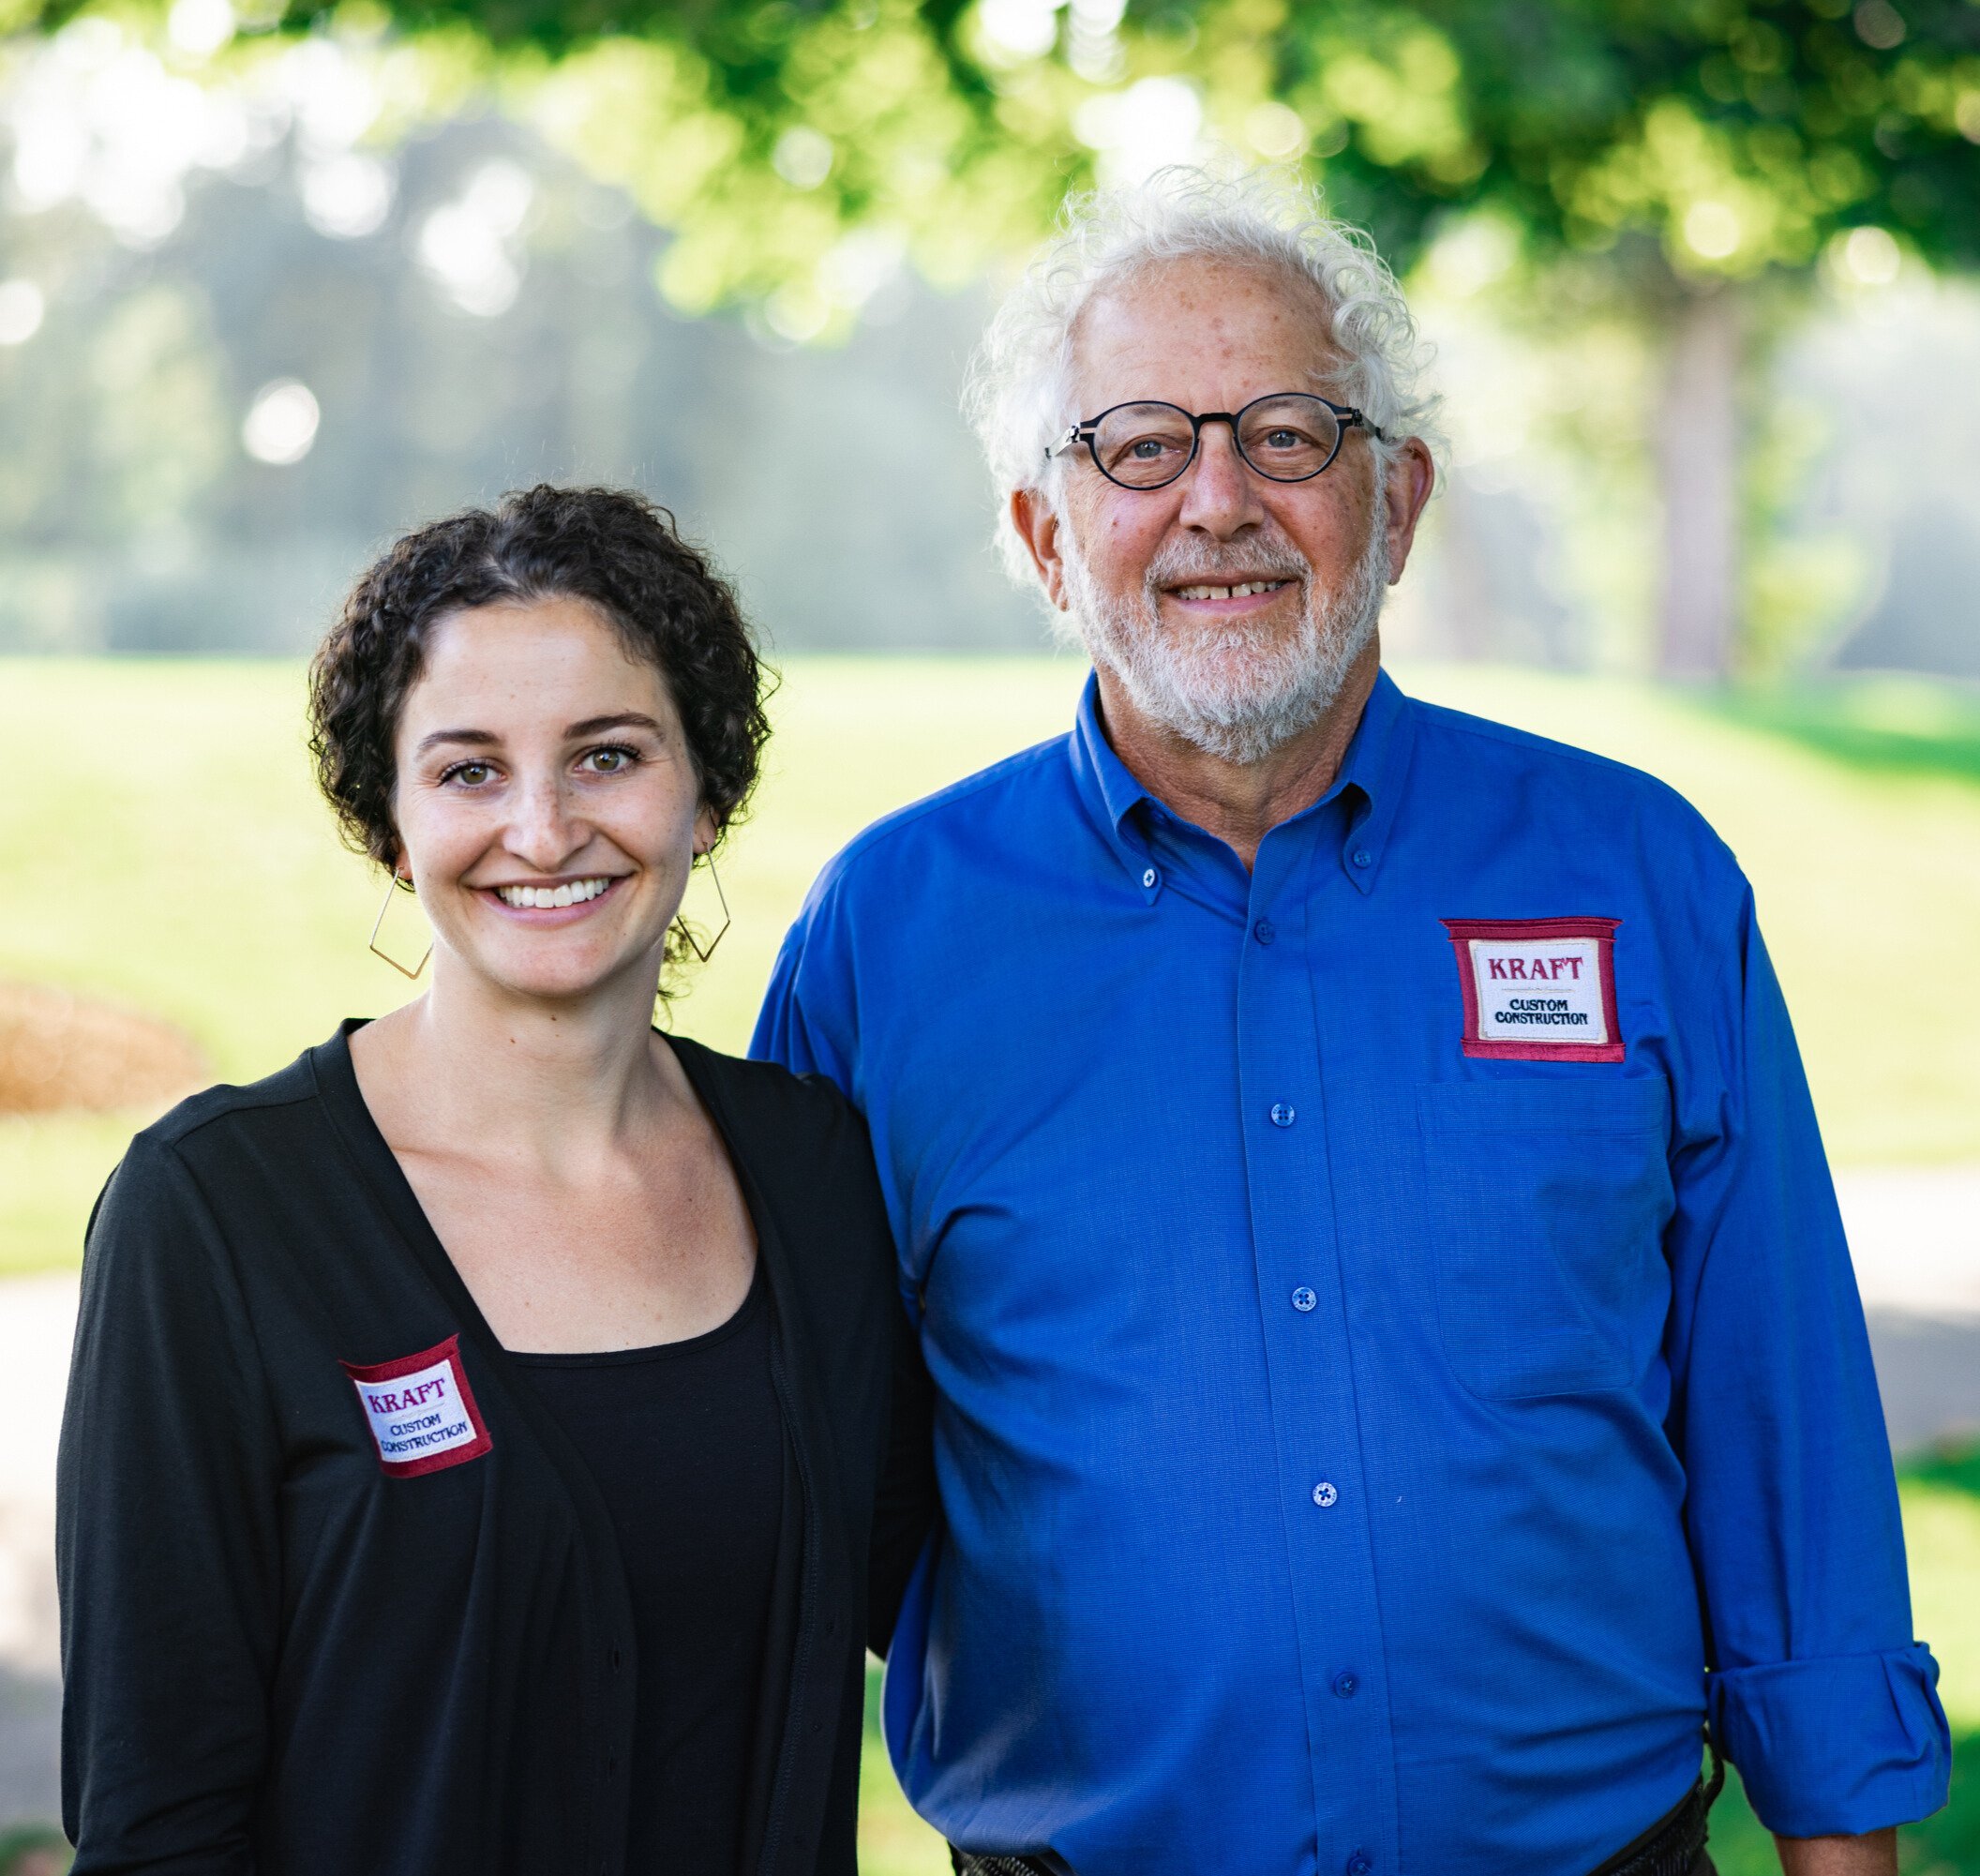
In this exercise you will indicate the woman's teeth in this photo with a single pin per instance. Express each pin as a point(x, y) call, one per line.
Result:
point(527, 898)
point(1242, 591)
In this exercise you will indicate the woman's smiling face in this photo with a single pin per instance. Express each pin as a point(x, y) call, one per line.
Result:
point(546, 801)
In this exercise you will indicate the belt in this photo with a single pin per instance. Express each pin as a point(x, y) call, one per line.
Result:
point(965, 1863)
point(1674, 1845)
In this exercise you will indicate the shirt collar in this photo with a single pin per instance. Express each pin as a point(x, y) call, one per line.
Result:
point(1373, 766)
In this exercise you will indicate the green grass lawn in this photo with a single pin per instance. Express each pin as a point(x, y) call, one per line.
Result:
point(161, 846)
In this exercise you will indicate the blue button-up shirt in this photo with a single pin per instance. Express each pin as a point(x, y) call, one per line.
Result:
point(1356, 1445)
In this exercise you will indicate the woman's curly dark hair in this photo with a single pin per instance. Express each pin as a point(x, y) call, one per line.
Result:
point(614, 548)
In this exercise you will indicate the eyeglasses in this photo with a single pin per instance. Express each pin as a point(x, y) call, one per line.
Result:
point(1286, 436)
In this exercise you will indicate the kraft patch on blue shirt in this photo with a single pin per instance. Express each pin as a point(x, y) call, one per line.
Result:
point(1538, 990)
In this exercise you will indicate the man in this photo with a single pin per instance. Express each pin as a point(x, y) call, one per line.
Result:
point(1398, 1362)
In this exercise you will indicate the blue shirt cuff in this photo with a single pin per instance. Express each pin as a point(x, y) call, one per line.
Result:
point(1839, 1745)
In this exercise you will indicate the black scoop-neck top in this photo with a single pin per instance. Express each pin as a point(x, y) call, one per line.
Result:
point(339, 1591)
point(686, 1446)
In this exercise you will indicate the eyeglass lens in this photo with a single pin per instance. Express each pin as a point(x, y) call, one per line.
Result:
point(1286, 439)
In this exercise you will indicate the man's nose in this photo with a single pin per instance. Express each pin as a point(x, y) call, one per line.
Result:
point(1219, 493)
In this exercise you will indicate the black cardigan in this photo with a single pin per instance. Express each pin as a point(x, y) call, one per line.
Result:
point(278, 1660)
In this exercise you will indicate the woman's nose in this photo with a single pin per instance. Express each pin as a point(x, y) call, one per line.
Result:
point(543, 831)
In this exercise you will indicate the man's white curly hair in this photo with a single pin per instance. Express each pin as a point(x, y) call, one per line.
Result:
point(1019, 391)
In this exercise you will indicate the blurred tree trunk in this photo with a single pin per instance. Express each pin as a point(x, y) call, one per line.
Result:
point(1698, 467)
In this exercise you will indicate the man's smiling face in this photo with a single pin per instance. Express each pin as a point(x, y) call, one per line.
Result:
point(1230, 606)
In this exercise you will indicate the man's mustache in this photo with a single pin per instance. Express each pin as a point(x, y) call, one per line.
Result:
point(1181, 565)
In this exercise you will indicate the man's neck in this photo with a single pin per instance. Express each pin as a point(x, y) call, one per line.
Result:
point(1241, 802)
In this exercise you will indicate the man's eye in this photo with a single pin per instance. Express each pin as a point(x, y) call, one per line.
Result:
point(1147, 448)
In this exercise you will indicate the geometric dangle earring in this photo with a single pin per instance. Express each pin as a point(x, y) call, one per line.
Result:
point(687, 932)
point(392, 887)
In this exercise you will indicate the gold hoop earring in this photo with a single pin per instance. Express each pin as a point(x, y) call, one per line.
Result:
point(686, 931)
point(392, 885)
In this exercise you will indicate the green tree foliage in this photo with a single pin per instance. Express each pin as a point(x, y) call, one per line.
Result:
point(1718, 139)
point(1733, 138)
point(799, 150)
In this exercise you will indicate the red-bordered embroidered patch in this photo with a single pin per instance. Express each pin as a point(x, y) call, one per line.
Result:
point(1538, 990)
point(420, 1410)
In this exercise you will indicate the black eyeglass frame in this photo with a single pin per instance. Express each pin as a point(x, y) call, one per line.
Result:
point(1346, 417)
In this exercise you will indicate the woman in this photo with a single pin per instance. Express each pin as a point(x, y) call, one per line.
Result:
point(475, 1428)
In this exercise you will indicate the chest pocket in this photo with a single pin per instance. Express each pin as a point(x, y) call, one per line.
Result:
point(1547, 1203)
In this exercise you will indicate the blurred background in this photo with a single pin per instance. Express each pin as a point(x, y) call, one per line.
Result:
point(279, 281)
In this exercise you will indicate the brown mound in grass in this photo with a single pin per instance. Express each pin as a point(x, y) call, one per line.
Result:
point(59, 1050)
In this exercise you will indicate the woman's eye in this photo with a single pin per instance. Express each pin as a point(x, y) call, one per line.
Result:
point(609, 761)
point(472, 775)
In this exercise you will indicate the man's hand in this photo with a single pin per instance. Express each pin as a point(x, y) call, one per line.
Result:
point(1873, 1855)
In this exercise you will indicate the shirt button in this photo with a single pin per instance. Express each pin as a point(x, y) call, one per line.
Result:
point(1362, 857)
point(1325, 1497)
point(1346, 1685)
point(1358, 1865)
point(1282, 1115)
point(1149, 878)
point(1304, 1299)
point(1264, 931)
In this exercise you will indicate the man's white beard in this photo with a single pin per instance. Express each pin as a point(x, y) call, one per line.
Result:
point(1237, 692)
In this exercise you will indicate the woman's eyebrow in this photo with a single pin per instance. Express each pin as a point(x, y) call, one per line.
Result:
point(631, 719)
point(591, 725)
point(482, 737)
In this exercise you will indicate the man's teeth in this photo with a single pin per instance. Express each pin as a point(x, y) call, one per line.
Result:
point(1242, 590)
point(528, 897)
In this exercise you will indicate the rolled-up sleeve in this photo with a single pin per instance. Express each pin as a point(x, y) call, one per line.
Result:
point(1819, 1692)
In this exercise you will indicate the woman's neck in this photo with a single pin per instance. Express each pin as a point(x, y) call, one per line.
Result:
point(469, 1070)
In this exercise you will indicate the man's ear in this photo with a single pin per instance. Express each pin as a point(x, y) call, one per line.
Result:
point(1037, 524)
point(1411, 476)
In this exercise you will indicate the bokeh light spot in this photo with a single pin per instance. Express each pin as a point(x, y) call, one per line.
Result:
point(200, 27)
point(1275, 130)
point(1154, 122)
point(1880, 25)
point(472, 246)
point(347, 197)
point(1711, 230)
point(1020, 29)
point(802, 157)
point(281, 423)
point(21, 309)
point(1870, 256)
